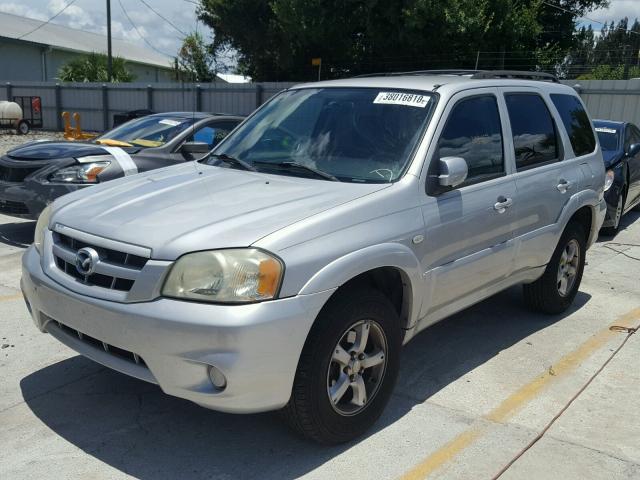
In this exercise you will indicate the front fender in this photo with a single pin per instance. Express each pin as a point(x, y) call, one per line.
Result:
point(349, 266)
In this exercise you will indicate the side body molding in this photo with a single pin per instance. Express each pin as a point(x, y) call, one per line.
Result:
point(360, 261)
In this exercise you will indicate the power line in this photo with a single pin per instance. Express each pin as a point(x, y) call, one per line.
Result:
point(138, 31)
point(45, 23)
point(162, 17)
point(585, 17)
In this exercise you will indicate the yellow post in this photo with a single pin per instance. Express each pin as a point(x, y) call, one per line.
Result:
point(66, 118)
point(78, 129)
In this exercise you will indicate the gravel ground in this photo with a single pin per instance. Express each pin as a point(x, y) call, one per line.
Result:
point(9, 139)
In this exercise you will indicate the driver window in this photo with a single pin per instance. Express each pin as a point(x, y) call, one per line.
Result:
point(210, 135)
point(473, 132)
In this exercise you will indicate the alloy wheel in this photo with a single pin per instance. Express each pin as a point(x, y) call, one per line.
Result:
point(568, 267)
point(357, 367)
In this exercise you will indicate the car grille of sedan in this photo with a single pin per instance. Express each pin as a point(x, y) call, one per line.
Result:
point(13, 208)
point(16, 175)
point(116, 270)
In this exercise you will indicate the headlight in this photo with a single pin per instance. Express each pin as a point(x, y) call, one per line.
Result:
point(84, 173)
point(608, 179)
point(41, 227)
point(225, 276)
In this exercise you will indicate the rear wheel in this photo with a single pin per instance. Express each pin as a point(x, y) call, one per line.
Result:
point(555, 291)
point(348, 368)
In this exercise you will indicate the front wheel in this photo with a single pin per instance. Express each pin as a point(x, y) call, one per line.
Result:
point(348, 368)
point(555, 291)
point(613, 229)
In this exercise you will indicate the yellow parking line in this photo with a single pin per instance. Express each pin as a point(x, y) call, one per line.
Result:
point(519, 398)
point(8, 298)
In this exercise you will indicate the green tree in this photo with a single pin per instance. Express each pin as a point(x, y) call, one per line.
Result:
point(195, 62)
point(276, 39)
point(93, 68)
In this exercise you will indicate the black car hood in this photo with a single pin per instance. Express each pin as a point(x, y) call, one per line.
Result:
point(38, 151)
point(611, 157)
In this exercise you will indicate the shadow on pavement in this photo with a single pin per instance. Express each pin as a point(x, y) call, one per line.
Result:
point(17, 234)
point(133, 427)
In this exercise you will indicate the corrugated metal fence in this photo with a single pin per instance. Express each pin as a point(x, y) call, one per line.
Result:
point(610, 99)
point(97, 103)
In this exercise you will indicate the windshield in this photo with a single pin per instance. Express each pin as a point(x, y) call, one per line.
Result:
point(152, 131)
point(352, 134)
point(609, 138)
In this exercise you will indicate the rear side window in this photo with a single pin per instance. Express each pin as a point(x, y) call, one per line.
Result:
point(473, 132)
point(576, 121)
point(534, 133)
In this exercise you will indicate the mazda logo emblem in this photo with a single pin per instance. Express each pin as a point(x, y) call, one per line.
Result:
point(86, 260)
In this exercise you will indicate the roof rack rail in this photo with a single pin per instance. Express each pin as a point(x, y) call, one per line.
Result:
point(515, 74)
point(475, 74)
point(420, 72)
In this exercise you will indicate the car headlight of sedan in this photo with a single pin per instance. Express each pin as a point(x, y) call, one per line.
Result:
point(41, 227)
point(241, 275)
point(82, 173)
point(608, 179)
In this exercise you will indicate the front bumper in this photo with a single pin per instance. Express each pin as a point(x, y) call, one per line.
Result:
point(27, 199)
point(255, 346)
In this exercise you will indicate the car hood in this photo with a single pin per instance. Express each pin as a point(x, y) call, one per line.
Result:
point(192, 207)
point(46, 150)
point(610, 157)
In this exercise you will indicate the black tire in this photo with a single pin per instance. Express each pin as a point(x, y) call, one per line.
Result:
point(543, 295)
point(23, 127)
point(310, 411)
point(613, 229)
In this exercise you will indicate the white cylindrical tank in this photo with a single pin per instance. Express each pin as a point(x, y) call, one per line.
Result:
point(10, 111)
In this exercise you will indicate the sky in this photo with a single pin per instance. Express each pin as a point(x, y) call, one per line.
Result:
point(90, 15)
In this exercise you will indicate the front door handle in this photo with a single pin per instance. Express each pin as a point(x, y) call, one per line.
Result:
point(502, 204)
point(564, 185)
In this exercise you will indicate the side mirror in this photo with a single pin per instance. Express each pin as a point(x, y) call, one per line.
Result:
point(634, 149)
point(453, 171)
point(194, 147)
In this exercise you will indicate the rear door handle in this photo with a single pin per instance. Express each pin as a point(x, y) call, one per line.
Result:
point(502, 204)
point(564, 185)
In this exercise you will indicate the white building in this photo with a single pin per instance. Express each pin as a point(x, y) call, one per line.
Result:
point(39, 55)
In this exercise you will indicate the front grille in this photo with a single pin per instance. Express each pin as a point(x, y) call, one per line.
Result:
point(94, 342)
point(116, 270)
point(13, 208)
point(16, 175)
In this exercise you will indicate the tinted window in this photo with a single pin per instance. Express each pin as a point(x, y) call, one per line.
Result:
point(473, 132)
point(609, 138)
point(534, 133)
point(211, 135)
point(576, 121)
point(633, 136)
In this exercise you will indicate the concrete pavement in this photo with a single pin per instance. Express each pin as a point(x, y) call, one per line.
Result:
point(474, 390)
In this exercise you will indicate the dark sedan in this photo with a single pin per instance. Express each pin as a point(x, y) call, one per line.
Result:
point(35, 174)
point(620, 143)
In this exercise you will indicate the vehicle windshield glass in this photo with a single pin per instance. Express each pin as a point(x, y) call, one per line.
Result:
point(153, 131)
point(352, 134)
point(609, 138)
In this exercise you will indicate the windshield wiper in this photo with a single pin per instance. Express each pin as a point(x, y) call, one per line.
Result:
point(236, 162)
point(298, 166)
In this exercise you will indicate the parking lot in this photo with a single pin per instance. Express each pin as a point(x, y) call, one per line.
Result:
point(474, 391)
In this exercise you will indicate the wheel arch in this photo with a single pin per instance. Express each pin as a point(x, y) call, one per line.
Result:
point(392, 269)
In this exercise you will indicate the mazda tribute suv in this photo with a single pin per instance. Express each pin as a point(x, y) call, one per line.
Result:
point(286, 269)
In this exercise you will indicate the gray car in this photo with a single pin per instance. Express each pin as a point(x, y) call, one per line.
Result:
point(35, 174)
point(338, 221)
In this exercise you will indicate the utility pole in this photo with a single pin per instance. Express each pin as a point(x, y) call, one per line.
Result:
point(109, 56)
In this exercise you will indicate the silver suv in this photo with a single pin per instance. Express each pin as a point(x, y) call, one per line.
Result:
point(287, 268)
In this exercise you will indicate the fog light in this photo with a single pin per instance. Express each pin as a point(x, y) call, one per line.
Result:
point(217, 378)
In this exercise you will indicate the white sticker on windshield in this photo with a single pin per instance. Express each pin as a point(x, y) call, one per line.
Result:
point(400, 98)
point(605, 130)
point(168, 121)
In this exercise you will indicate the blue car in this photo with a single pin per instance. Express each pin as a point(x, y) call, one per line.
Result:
point(620, 142)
